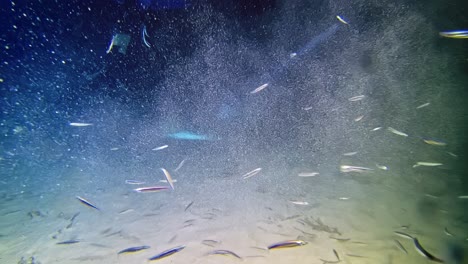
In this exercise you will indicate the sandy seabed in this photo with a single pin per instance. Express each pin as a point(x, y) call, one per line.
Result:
point(355, 219)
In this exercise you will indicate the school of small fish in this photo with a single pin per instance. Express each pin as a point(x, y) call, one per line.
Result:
point(344, 168)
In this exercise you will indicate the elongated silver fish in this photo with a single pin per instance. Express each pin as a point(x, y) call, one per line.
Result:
point(356, 98)
point(211, 242)
point(224, 252)
point(180, 165)
point(308, 174)
point(167, 253)
point(287, 244)
point(336, 254)
point(87, 203)
point(161, 147)
point(435, 142)
point(342, 20)
point(447, 232)
point(397, 132)
point(299, 202)
point(404, 235)
point(144, 34)
point(424, 252)
point(151, 189)
point(251, 173)
point(133, 249)
point(400, 246)
point(111, 45)
point(356, 256)
point(382, 167)
point(68, 242)
point(348, 168)
point(135, 182)
point(258, 89)
point(427, 164)
point(76, 124)
point(168, 178)
point(423, 105)
point(188, 206)
point(459, 34)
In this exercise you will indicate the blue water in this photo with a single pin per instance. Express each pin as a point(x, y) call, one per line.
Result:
point(309, 158)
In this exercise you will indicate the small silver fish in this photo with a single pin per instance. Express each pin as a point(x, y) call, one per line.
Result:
point(180, 165)
point(188, 206)
point(251, 173)
point(287, 244)
point(68, 242)
point(423, 105)
point(400, 246)
point(126, 211)
point(452, 154)
point(458, 34)
point(151, 189)
point(132, 249)
point(397, 132)
point(431, 196)
point(435, 142)
point(424, 252)
point(356, 98)
point(211, 242)
point(342, 20)
point(348, 168)
point(167, 253)
point(447, 232)
point(403, 235)
point(299, 202)
point(85, 202)
point(111, 45)
point(76, 124)
point(428, 164)
point(165, 181)
point(135, 182)
point(382, 167)
point(161, 147)
point(355, 256)
point(224, 252)
point(258, 89)
point(336, 254)
point(144, 34)
point(359, 118)
point(168, 178)
point(308, 174)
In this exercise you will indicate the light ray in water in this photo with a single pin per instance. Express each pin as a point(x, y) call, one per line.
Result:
point(318, 39)
point(295, 57)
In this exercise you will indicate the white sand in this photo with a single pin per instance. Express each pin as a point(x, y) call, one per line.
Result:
point(242, 214)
